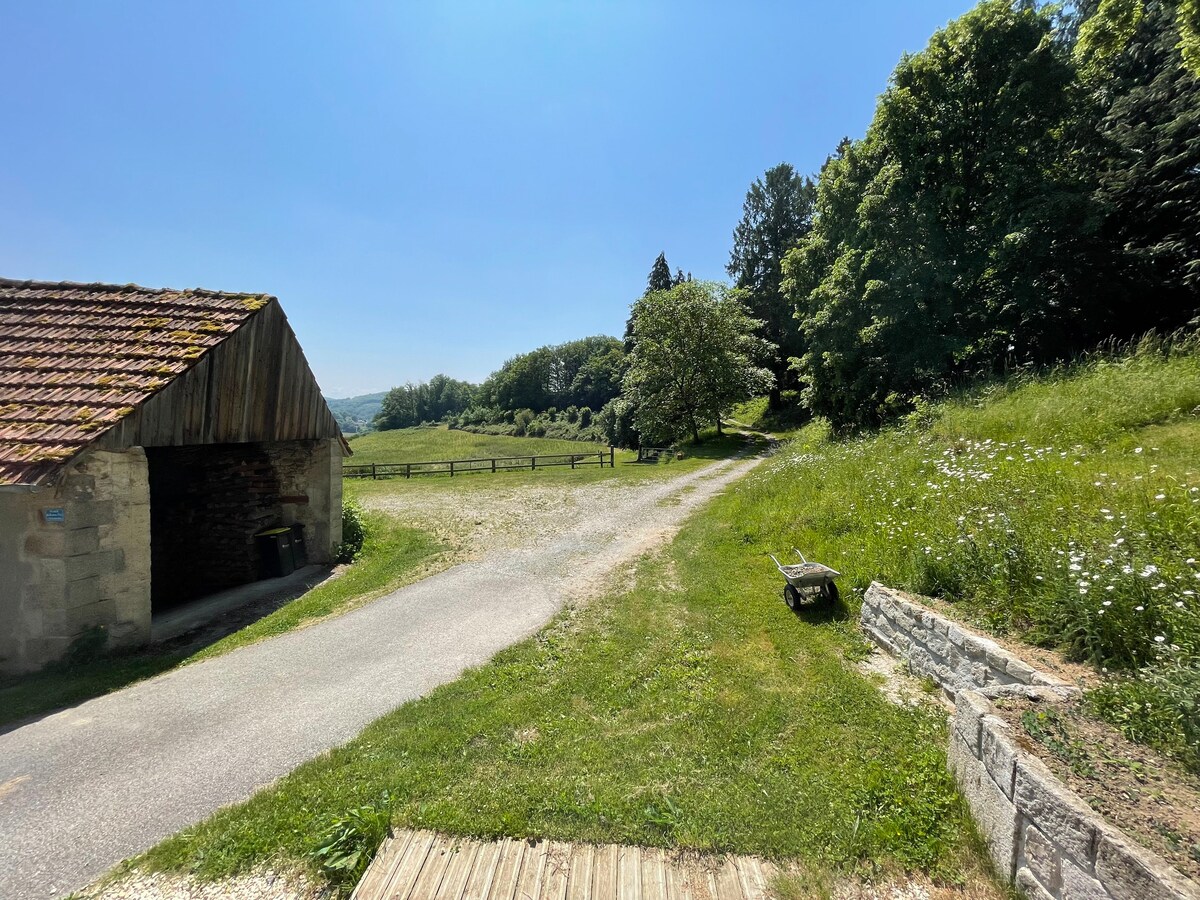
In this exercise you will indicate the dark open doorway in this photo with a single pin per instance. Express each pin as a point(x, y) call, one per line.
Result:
point(206, 505)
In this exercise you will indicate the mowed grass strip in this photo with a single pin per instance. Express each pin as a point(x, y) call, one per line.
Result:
point(693, 710)
point(431, 444)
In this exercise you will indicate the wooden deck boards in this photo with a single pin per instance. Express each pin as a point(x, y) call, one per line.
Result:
point(420, 865)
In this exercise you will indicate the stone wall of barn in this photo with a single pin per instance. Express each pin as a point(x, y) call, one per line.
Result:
point(79, 553)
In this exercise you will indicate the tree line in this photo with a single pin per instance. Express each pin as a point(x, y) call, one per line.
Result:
point(1028, 188)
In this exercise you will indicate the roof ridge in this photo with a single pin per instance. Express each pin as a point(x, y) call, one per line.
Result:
point(126, 288)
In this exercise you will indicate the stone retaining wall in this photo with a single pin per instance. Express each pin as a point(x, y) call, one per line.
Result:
point(1041, 836)
point(933, 646)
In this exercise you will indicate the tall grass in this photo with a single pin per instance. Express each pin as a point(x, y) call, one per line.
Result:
point(1064, 509)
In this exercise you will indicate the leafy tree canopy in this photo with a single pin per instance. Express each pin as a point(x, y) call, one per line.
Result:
point(579, 373)
point(953, 231)
point(1107, 31)
point(428, 401)
point(695, 355)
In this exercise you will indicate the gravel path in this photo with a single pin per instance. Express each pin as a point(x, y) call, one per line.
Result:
point(84, 788)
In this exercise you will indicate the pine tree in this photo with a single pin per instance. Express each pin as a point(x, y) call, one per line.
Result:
point(776, 216)
point(660, 275)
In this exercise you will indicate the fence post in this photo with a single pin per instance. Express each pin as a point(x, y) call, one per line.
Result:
point(451, 468)
point(372, 471)
point(572, 462)
point(611, 457)
point(533, 463)
point(408, 470)
point(493, 467)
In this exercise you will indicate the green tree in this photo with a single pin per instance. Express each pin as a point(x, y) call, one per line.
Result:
point(776, 216)
point(1110, 25)
point(695, 353)
point(958, 233)
point(427, 401)
point(551, 376)
point(660, 275)
point(659, 280)
point(1148, 128)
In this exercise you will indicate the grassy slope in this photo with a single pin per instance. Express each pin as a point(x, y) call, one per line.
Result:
point(431, 444)
point(614, 724)
point(1066, 510)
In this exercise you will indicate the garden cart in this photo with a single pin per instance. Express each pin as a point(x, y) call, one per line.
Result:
point(807, 582)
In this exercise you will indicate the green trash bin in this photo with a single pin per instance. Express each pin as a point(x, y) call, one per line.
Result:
point(275, 552)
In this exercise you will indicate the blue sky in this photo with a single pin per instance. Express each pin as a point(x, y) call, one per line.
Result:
point(426, 186)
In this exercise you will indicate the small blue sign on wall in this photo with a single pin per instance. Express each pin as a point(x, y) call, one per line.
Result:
point(54, 514)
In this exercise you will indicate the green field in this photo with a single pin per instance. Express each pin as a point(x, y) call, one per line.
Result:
point(439, 443)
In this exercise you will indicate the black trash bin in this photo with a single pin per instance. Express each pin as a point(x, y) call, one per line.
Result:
point(299, 548)
point(275, 552)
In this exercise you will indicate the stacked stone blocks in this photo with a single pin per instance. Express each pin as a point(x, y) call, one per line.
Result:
point(1041, 836)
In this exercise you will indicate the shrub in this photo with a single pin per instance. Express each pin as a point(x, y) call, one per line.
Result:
point(522, 420)
point(354, 532)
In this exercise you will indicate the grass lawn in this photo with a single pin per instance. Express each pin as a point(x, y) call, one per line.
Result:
point(438, 443)
point(627, 469)
point(690, 710)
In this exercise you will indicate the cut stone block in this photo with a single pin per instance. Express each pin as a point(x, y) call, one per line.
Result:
point(1055, 810)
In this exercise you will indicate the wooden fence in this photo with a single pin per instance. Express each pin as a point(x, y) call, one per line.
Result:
point(454, 467)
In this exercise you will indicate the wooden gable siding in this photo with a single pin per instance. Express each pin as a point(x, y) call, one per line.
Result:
point(254, 386)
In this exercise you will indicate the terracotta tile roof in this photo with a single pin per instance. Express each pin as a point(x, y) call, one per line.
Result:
point(77, 358)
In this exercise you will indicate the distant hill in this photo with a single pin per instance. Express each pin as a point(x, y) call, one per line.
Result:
point(354, 414)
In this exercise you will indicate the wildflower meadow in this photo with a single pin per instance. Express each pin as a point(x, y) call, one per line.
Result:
point(1062, 509)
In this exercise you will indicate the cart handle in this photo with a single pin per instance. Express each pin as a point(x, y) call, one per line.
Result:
point(799, 554)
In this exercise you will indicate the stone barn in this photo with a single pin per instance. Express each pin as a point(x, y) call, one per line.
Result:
point(147, 439)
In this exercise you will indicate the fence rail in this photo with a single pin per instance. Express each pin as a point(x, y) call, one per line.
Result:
point(454, 467)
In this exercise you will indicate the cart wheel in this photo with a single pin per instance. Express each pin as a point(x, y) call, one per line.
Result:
point(829, 593)
point(791, 597)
